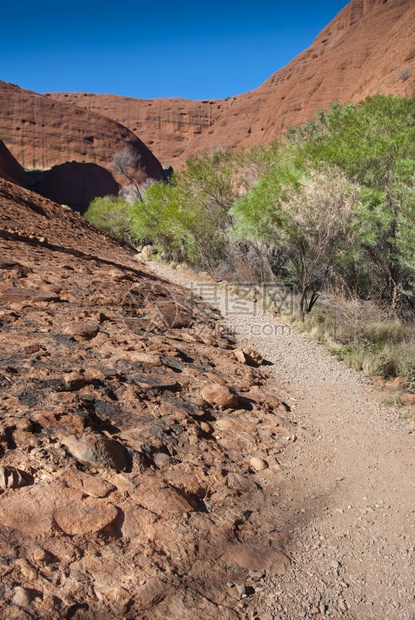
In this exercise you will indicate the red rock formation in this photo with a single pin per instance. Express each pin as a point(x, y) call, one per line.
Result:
point(361, 53)
point(42, 133)
point(369, 48)
point(169, 125)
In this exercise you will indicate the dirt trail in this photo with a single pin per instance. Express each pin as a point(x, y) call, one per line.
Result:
point(347, 501)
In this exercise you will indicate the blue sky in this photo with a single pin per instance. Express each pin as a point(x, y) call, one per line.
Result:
point(178, 48)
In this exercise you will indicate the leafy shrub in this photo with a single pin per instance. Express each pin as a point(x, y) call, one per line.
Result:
point(405, 74)
point(112, 214)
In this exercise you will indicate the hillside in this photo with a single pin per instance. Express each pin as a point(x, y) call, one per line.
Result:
point(132, 448)
point(41, 133)
point(367, 49)
point(360, 53)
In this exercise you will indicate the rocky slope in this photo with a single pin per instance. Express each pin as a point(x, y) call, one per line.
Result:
point(367, 49)
point(138, 449)
point(41, 134)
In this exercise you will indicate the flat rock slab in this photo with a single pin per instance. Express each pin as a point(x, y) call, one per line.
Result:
point(94, 486)
point(34, 511)
point(157, 382)
point(77, 517)
point(258, 558)
point(28, 294)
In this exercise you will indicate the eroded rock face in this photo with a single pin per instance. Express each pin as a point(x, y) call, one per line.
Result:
point(126, 480)
point(167, 126)
point(41, 133)
point(361, 53)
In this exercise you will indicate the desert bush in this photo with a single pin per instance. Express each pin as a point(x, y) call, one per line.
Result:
point(305, 215)
point(112, 214)
point(405, 73)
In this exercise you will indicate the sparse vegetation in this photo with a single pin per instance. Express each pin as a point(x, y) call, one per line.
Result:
point(405, 74)
point(328, 211)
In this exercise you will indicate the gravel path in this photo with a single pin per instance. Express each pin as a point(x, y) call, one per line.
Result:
point(348, 482)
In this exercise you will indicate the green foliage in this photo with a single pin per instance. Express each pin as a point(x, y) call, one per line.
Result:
point(329, 210)
point(330, 206)
point(373, 145)
point(112, 214)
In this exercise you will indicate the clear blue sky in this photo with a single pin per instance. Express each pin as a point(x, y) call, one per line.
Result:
point(179, 48)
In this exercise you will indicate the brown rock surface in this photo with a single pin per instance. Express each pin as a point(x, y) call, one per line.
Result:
point(220, 395)
point(74, 516)
point(167, 126)
point(361, 53)
point(135, 487)
point(256, 557)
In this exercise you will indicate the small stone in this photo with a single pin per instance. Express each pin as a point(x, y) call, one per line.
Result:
point(98, 450)
point(12, 478)
point(240, 588)
point(220, 395)
point(206, 427)
point(249, 357)
point(22, 597)
point(75, 381)
point(40, 555)
point(145, 359)
point(342, 605)
point(146, 253)
point(84, 331)
point(258, 464)
point(162, 460)
point(28, 571)
point(240, 356)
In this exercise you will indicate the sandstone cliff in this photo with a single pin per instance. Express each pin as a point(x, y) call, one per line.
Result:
point(167, 126)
